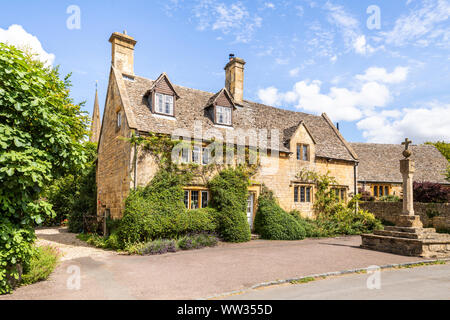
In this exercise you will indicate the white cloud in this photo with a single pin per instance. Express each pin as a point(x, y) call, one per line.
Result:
point(339, 103)
point(361, 46)
point(423, 27)
point(232, 19)
point(17, 36)
point(269, 96)
point(381, 75)
point(294, 72)
point(429, 123)
point(269, 5)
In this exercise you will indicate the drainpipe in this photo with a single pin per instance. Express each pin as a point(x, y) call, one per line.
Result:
point(355, 182)
point(135, 163)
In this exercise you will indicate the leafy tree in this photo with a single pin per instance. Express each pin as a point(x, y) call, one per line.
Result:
point(40, 133)
point(74, 194)
point(444, 148)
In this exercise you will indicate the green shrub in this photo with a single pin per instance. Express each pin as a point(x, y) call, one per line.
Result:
point(42, 264)
point(197, 241)
point(229, 192)
point(390, 198)
point(158, 212)
point(158, 247)
point(15, 250)
point(273, 223)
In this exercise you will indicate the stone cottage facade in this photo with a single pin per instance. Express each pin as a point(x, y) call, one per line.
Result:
point(378, 170)
point(296, 141)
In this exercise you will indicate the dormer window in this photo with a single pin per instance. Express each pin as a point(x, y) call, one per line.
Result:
point(164, 104)
point(223, 115)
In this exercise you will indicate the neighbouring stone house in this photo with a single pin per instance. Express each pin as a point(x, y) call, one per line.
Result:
point(295, 140)
point(378, 169)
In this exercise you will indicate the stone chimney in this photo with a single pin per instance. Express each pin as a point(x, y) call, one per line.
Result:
point(234, 78)
point(95, 125)
point(123, 52)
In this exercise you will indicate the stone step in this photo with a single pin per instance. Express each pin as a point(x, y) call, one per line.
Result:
point(410, 230)
point(255, 236)
point(419, 234)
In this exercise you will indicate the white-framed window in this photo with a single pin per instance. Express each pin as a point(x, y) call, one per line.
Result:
point(185, 155)
point(205, 155)
point(196, 150)
point(223, 115)
point(164, 104)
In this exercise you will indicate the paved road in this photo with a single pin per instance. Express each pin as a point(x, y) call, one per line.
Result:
point(199, 273)
point(430, 282)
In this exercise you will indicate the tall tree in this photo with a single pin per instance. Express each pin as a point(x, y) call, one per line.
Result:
point(41, 133)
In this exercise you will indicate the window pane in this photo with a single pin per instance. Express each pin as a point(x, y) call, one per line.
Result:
point(343, 194)
point(386, 191)
point(186, 199)
point(205, 156)
point(295, 194)
point(375, 191)
point(196, 154)
point(381, 191)
point(194, 200)
point(298, 152)
point(308, 194)
point(185, 155)
point(305, 153)
point(205, 199)
point(223, 115)
point(302, 194)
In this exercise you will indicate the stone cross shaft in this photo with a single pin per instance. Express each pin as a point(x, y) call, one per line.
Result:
point(407, 169)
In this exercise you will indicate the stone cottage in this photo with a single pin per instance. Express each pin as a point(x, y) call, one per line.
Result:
point(295, 140)
point(378, 170)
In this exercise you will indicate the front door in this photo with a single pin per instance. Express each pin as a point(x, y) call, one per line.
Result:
point(250, 205)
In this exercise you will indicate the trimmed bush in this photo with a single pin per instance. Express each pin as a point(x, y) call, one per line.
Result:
point(273, 223)
point(429, 192)
point(229, 192)
point(158, 212)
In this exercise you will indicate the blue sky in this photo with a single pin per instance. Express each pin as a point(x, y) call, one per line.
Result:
point(380, 82)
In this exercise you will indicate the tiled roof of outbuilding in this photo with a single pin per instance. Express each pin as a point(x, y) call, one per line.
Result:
point(190, 107)
point(380, 162)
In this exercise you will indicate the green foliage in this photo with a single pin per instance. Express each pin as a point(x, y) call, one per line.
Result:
point(40, 133)
point(229, 192)
point(273, 223)
point(74, 194)
point(40, 130)
point(197, 241)
point(443, 147)
point(158, 211)
point(390, 198)
point(42, 264)
point(15, 249)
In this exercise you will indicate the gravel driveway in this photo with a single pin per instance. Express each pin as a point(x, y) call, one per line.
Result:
point(192, 274)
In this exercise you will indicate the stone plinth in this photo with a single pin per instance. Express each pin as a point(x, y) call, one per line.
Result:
point(407, 241)
point(408, 221)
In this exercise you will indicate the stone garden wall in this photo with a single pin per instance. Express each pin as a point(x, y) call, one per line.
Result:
point(433, 215)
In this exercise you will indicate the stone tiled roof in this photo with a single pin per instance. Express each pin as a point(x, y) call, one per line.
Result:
point(380, 162)
point(191, 105)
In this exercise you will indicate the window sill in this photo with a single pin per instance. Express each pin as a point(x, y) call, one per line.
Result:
point(164, 116)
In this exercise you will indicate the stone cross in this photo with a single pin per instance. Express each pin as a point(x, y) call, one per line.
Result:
point(406, 152)
point(407, 169)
